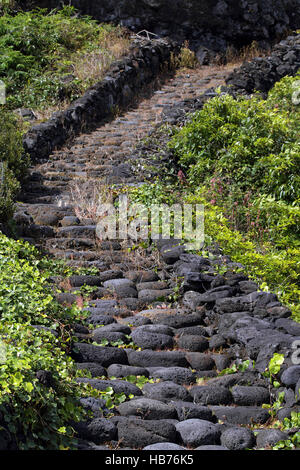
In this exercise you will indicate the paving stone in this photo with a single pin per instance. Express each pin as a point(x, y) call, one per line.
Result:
point(96, 405)
point(193, 343)
point(125, 292)
point(196, 432)
point(142, 276)
point(95, 319)
point(135, 321)
point(217, 341)
point(137, 433)
point(178, 375)
point(66, 298)
point(145, 339)
point(269, 437)
point(105, 356)
point(149, 358)
point(288, 326)
point(241, 414)
point(115, 327)
point(250, 396)
point(211, 395)
point(180, 321)
point(286, 412)
point(99, 430)
point(150, 295)
point(187, 410)
point(118, 283)
point(238, 439)
point(110, 274)
point(157, 285)
point(291, 376)
point(95, 369)
point(166, 390)
point(78, 281)
point(77, 231)
point(111, 336)
point(200, 361)
point(158, 329)
point(222, 361)
point(192, 330)
point(118, 386)
point(119, 370)
point(147, 408)
point(157, 313)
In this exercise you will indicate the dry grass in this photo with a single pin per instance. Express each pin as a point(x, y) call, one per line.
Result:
point(90, 67)
point(186, 59)
point(247, 53)
point(88, 206)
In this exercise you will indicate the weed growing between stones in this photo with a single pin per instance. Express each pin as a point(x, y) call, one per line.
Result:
point(186, 59)
point(249, 52)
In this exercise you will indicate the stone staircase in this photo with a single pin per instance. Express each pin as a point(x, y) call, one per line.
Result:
point(183, 344)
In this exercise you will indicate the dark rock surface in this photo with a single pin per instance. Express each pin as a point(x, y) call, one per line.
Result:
point(261, 73)
point(196, 432)
point(238, 439)
point(137, 433)
point(147, 408)
point(209, 26)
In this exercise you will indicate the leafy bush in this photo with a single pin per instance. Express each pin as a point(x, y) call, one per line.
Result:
point(23, 272)
point(247, 144)
point(13, 162)
point(34, 414)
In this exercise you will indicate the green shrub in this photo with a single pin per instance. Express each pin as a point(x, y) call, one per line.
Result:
point(247, 144)
point(35, 415)
point(38, 50)
point(13, 162)
point(25, 293)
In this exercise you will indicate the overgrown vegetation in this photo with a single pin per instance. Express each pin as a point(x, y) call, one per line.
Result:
point(39, 395)
point(240, 158)
point(13, 162)
point(34, 413)
point(49, 59)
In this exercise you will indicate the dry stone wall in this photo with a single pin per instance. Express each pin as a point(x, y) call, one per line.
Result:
point(213, 23)
point(118, 89)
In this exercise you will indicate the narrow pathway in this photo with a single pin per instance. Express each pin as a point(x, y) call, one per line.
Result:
point(182, 348)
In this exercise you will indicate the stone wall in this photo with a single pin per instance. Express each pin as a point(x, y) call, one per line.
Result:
point(118, 89)
point(214, 22)
point(261, 73)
